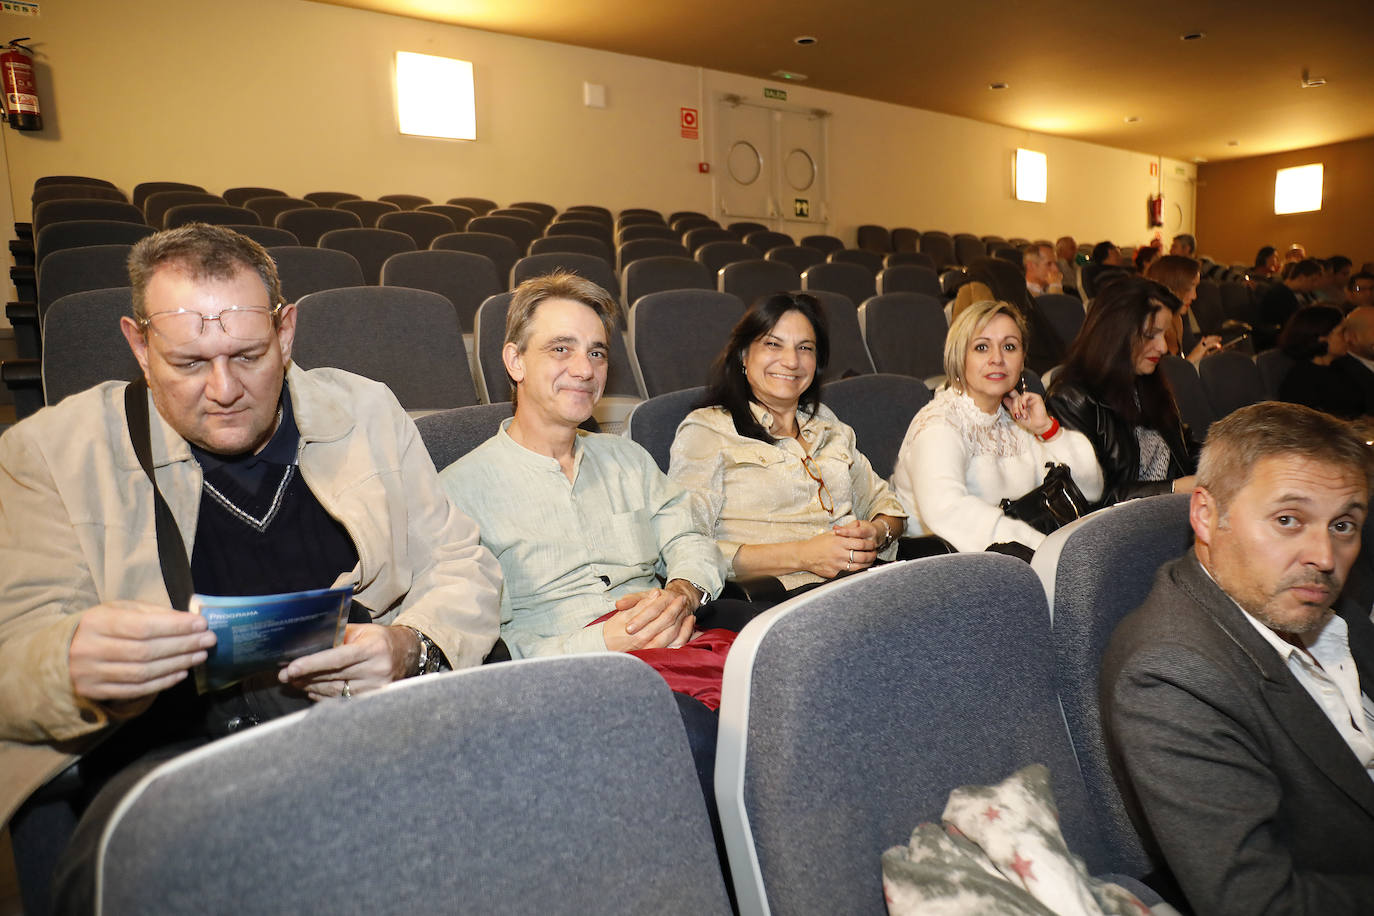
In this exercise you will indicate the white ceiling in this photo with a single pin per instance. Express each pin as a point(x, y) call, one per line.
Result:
point(1074, 69)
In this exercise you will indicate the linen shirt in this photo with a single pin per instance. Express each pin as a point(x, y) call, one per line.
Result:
point(957, 463)
point(745, 491)
point(569, 549)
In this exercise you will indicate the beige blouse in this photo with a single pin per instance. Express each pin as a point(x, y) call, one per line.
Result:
point(749, 492)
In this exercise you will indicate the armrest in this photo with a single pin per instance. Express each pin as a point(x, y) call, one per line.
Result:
point(28, 339)
point(24, 231)
point(24, 378)
point(754, 588)
point(22, 250)
point(25, 279)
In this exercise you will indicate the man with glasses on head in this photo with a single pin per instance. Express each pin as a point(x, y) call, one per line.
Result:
point(269, 479)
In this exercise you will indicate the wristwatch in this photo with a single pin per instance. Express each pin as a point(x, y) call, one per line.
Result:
point(705, 595)
point(430, 655)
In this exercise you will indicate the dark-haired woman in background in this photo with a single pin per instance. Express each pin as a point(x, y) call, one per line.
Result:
point(776, 478)
point(1110, 389)
point(1180, 276)
point(1313, 340)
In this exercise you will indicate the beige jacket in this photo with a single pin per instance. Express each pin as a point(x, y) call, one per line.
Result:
point(76, 529)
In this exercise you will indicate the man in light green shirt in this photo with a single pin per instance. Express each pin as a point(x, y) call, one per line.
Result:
point(583, 524)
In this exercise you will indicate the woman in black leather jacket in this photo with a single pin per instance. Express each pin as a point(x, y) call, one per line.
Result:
point(1109, 389)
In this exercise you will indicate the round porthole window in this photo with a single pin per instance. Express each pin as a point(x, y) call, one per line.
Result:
point(744, 162)
point(800, 169)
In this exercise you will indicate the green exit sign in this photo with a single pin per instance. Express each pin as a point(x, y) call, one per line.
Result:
point(779, 94)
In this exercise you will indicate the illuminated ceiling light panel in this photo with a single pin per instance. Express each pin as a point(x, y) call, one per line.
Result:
point(1299, 189)
point(434, 96)
point(1031, 171)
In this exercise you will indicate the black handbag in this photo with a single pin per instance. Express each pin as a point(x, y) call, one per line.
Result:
point(1052, 505)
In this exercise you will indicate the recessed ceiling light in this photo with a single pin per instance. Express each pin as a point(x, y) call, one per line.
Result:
point(1132, 119)
point(1233, 143)
point(1192, 36)
point(999, 85)
point(805, 40)
point(790, 76)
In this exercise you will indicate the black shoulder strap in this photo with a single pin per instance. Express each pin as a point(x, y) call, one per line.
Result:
point(171, 550)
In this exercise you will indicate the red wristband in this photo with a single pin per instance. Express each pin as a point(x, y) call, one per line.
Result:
point(1049, 434)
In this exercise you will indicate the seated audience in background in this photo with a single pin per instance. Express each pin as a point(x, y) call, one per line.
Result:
point(1106, 253)
point(279, 479)
point(1236, 704)
point(1104, 262)
point(1183, 245)
point(1266, 264)
point(1066, 255)
point(982, 440)
point(1042, 272)
point(1295, 253)
point(1180, 276)
point(1282, 300)
point(1313, 340)
point(1357, 365)
point(1359, 290)
point(775, 477)
point(1144, 257)
point(1109, 389)
point(1002, 282)
point(1335, 278)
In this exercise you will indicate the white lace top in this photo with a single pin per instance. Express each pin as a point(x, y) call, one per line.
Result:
point(957, 463)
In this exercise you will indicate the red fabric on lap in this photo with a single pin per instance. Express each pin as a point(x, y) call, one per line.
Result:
point(695, 669)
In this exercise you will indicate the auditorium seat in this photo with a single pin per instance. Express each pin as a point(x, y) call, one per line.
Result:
point(757, 279)
point(1064, 314)
point(75, 192)
point(266, 236)
point(1274, 366)
point(75, 270)
point(368, 211)
point(267, 208)
point(370, 247)
point(716, 255)
point(695, 239)
point(533, 217)
point(824, 243)
point(1193, 407)
point(144, 190)
point(423, 227)
point(879, 408)
point(330, 198)
point(637, 231)
point(850, 280)
point(742, 229)
point(156, 205)
point(460, 216)
point(499, 249)
point(1231, 381)
point(551, 785)
point(587, 266)
point(578, 244)
point(211, 213)
point(674, 336)
point(478, 205)
point(874, 238)
point(905, 258)
point(450, 434)
point(465, 279)
point(238, 197)
point(686, 214)
point(60, 211)
point(82, 342)
point(1207, 307)
point(304, 270)
point(798, 257)
point(408, 339)
point(488, 339)
point(968, 248)
point(82, 232)
point(517, 230)
point(309, 224)
point(587, 212)
point(1094, 572)
point(905, 240)
point(653, 423)
point(659, 274)
point(851, 712)
point(636, 220)
point(583, 227)
point(73, 179)
point(951, 280)
point(908, 278)
point(635, 249)
point(765, 240)
point(848, 354)
point(905, 333)
point(406, 201)
point(940, 247)
point(546, 211)
point(869, 260)
point(638, 212)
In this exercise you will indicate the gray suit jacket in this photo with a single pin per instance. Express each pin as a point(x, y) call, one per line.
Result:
point(1227, 764)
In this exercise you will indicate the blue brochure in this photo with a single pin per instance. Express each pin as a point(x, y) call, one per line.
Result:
point(257, 633)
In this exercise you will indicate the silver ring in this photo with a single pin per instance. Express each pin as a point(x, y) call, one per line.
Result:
point(851, 554)
point(347, 693)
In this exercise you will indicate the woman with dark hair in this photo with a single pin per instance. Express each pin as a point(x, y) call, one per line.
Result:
point(1110, 390)
point(775, 477)
point(1145, 255)
point(1313, 340)
point(1180, 276)
point(1266, 263)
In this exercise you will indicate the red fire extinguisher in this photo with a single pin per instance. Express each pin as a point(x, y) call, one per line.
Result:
point(1154, 211)
point(20, 88)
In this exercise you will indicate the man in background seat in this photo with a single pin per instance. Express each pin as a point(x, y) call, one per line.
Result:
point(1236, 703)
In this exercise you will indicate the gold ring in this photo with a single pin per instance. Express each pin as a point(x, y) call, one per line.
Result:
point(347, 693)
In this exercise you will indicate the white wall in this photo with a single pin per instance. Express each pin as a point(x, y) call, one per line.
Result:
point(297, 95)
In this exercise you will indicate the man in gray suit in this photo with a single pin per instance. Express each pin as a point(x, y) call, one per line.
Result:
point(1231, 699)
